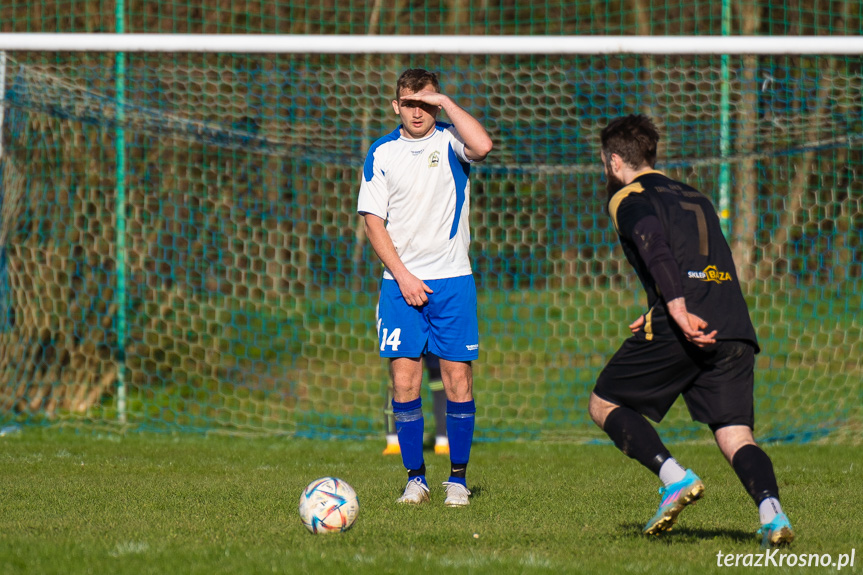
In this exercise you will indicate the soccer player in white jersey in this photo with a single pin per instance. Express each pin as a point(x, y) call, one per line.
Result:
point(415, 199)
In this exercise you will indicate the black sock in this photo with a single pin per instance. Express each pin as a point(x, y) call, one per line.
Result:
point(636, 438)
point(417, 472)
point(755, 471)
point(458, 470)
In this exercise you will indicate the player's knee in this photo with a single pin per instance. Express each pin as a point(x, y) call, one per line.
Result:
point(731, 438)
point(599, 409)
point(459, 391)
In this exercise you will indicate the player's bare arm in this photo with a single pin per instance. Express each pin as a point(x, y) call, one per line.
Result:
point(690, 324)
point(477, 143)
point(413, 289)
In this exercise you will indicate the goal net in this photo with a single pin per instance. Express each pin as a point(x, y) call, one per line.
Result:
point(179, 244)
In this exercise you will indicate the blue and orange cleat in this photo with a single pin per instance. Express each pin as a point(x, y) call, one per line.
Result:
point(777, 533)
point(674, 498)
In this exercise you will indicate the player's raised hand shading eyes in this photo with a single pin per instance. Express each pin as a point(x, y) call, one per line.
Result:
point(426, 97)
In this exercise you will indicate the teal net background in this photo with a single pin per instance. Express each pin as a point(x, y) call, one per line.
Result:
point(250, 288)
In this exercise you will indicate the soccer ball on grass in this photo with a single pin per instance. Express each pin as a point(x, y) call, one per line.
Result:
point(328, 505)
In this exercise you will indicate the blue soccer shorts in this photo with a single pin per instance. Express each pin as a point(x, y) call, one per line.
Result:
point(446, 326)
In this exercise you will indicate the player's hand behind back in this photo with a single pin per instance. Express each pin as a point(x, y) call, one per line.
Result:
point(690, 324)
point(636, 326)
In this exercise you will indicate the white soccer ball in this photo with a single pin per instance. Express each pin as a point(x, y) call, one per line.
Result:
point(328, 505)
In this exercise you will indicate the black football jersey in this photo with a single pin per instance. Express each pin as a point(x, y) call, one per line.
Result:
point(691, 227)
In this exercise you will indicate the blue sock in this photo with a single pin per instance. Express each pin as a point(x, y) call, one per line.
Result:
point(409, 426)
point(460, 419)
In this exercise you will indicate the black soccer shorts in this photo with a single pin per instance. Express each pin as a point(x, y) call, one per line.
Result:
point(716, 383)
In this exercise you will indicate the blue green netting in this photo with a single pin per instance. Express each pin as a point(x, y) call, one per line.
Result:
point(250, 288)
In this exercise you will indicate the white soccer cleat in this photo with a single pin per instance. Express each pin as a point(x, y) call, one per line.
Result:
point(457, 495)
point(416, 492)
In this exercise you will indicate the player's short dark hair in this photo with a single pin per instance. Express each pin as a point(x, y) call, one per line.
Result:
point(415, 79)
point(634, 138)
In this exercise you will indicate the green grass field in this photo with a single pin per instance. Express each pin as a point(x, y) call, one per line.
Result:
point(147, 503)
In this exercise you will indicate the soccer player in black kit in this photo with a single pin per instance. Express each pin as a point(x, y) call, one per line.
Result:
point(695, 339)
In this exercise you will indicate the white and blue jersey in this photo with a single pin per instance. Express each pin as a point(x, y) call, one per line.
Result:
point(421, 189)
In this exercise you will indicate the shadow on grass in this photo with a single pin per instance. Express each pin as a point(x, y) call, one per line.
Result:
point(688, 534)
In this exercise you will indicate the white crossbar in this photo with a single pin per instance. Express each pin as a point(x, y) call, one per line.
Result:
point(369, 44)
